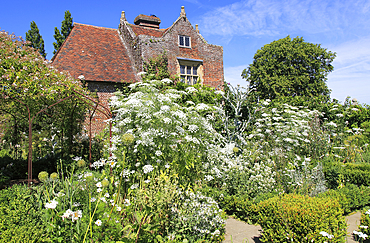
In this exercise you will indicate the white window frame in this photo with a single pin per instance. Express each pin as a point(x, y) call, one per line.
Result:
point(184, 37)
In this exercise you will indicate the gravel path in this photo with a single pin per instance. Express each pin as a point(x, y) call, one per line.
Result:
point(241, 232)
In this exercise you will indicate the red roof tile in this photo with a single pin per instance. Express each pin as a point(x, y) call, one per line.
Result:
point(141, 30)
point(95, 52)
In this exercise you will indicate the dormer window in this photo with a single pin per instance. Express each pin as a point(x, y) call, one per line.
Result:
point(184, 41)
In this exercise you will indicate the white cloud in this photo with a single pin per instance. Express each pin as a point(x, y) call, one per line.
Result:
point(351, 75)
point(271, 17)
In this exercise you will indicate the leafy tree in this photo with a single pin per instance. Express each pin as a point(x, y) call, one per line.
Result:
point(61, 36)
point(35, 96)
point(35, 39)
point(290, 68)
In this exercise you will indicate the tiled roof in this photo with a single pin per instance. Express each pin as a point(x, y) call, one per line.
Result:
point(95, 52)
point(141, 30)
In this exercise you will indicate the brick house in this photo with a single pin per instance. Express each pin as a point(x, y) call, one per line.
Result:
point(109, 57)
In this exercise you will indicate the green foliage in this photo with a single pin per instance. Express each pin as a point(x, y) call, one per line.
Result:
point(350, 197)
point(298, 218)
point(61, 36)
point(339, 174)
point(156, 68)
point(364, 227)
point(35, 39)
point(289, 67)
point(20, 216)
point(33, 91)
point(165, 131)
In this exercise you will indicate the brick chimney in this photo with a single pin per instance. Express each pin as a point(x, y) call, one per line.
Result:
point(151, 21)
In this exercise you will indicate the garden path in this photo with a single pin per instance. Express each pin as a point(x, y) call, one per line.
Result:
point(240, 232)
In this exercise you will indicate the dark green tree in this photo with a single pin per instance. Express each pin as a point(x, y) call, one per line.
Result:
point(289, 68)
point(35, 39)
point(61, 36)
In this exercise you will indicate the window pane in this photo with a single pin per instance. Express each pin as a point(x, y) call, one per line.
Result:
point(195, 71)
point(195, 79)
point(182, 69)
point(181, 40)
point(182, 78)
point(188, 69)
point(187, 41)
point(189, 79)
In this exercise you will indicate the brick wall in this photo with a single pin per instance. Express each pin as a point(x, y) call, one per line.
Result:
point(143, 47)
point(212, 56)
point(104, 91)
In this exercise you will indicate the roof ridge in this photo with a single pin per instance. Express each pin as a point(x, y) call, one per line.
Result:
point(94, 26)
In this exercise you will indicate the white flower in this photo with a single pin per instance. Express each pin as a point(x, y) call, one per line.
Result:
point(81, 77)
point(93, 199)
point(208, 177)
point(166, 80)
point(147, 168)
point(98, 222)
point(134, 186)
point(158, 153)
point(112, 164)
point(167, 120)
point(138, 74)
point(76, 204)
point(339, 115)
point(167, 166)
point(99, 190)
point(126, 202)
point(165, 108)
point(191, 89)
point(219, 92)
point(106, 194)
point(193, 128)
point(118, 209)
point(76, 215)
point(51, 205)
point(99, 184)
point(147, 181)
point(67, 214)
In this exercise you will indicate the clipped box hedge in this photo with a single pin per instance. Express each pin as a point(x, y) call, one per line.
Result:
point(298, 218)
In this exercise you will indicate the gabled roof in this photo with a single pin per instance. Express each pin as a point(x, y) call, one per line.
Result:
point(97, 53)
point(141, 30)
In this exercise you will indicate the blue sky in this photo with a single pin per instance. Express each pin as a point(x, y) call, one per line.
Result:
point(241, 27)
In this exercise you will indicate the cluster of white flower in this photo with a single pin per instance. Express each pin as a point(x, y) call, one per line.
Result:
point(73, 215)
point(198, 212)
point(325, 234)
point(147, 169)
point(51, 205)
point(360, 234)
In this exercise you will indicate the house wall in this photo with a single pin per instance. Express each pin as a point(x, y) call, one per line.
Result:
point(148, 47)
point(105, 91)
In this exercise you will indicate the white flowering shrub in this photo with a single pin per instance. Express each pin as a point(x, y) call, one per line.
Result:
point(290, 141)
point(164, 132)
point(196, 217)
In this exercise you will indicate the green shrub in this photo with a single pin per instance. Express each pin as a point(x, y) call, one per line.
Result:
point(364, 227)
point(298, 218)
point(241, 207)
point(349, 173)
point(358, 174)
point(20, 218)
point(350, 197)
